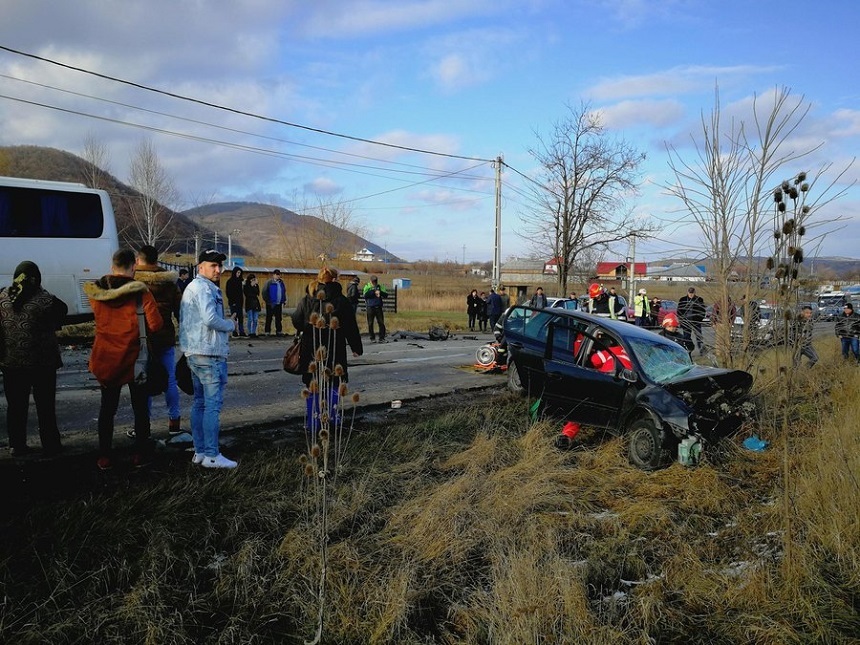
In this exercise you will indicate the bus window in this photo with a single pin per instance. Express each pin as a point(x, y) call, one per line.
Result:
point(67, 229)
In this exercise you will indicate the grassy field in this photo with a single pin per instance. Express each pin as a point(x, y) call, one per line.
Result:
point(458, 522)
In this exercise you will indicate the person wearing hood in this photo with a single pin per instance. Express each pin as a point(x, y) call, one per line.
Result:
point(114, 299)
point(30, 357)
point(353, 293)
point(162, 285)
point(326, 320)
point(325, 300)
point(236, 299)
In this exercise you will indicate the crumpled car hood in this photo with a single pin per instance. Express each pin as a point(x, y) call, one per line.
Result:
point(709, 381)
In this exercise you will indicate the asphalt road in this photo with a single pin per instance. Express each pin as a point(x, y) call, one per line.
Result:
point(260, 393)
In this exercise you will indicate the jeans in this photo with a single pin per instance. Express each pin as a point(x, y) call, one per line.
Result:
point(209, 375)
point(853, 343)
point(809, 352)
point(107, 412)
point(375, 314)
point(237, 309)
point(167, 357)
point(274, 312)
point(17, 384)
point(253, 319)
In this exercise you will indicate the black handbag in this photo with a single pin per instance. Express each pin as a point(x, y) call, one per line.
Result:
point(183, 375)
point(149, 372)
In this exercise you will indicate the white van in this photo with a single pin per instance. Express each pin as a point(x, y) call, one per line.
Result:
point(67, 229)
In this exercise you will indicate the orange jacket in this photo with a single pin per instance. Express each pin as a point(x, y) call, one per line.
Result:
point(113, 299)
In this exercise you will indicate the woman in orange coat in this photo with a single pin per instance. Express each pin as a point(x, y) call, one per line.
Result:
point(114, 299)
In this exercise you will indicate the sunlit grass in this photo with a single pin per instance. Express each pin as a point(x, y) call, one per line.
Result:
point(465, 526)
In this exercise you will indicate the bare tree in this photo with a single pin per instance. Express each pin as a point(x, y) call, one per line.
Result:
point(579, 200)
point(97, 166)
point(726, 187)
point(150, 210)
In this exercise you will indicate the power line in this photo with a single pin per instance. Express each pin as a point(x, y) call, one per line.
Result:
point(236, 111)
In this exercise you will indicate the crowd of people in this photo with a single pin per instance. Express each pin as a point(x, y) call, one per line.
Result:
point(134, 308)
point(138, 301)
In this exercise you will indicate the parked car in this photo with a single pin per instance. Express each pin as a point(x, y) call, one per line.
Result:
point(665, 307)
point(659, 400)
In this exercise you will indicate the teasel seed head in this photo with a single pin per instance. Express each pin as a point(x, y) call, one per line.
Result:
point(342, 390)
point(329, 307)
point(316, 451)
point(338, 370)
point(334, 323)
point(314, 387)
point(305, 393)
point(355, 397)
point(314, 317)
point(309, 470)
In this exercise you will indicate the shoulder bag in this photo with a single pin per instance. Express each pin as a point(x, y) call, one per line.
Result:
point(293, 355)
point(148, 372)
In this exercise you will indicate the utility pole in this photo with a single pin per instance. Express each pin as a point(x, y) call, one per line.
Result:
point(497, 250)
point(464, 256)
point(632, 274)
point(230, 246)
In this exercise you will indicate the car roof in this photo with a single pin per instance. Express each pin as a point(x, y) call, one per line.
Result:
point(619, 326)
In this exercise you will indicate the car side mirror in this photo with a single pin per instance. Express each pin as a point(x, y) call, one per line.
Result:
point(628, 375)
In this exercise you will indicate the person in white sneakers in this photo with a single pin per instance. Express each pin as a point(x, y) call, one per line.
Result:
point(204, 335)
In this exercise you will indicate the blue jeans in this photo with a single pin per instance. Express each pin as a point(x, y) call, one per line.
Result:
point(253, 320)
point(209, 375)
point(852, 343)
point(167, 357)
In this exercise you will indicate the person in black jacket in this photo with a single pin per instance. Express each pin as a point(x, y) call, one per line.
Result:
point(691, 313)
point(236, 299)
point(848, 331)
point(251, 291)
point(327, 323)
point(473, 306)
point(30, 357)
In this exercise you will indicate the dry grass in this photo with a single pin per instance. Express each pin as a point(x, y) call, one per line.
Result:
point(464, 527)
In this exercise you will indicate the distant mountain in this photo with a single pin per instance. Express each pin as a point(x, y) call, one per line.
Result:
point(822, 268)
point(276, 235)
point(267, 232)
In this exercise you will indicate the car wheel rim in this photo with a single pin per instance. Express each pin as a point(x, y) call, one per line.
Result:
point(643, 445)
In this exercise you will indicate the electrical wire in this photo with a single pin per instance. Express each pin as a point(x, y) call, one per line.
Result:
point(252, 115)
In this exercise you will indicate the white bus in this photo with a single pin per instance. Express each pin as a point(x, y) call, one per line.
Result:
point(67, 229)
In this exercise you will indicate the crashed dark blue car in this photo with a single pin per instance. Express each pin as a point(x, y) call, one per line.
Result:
point(657, 396)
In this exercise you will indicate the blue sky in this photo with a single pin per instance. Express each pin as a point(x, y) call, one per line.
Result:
point(465, 78)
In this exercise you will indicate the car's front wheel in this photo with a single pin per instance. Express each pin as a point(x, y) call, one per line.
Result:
point(645, 445)
point(515, 385)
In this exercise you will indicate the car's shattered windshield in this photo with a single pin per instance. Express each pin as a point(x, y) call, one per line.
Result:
point(661, 361)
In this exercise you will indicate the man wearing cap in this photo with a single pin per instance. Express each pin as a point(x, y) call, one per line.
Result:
point(204, 335)
point(275, 297)
point(848, 331)
point(642, 309)
point(691, 311)
point(374, 293)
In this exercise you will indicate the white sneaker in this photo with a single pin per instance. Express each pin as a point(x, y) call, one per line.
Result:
point(198, 458)
point(219, 461)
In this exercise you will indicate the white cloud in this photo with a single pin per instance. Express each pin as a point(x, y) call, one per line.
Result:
point(638, 113)
point(670, 82)
point(323, 186)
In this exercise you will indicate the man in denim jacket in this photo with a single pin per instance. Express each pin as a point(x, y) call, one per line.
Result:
point(204, 335)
